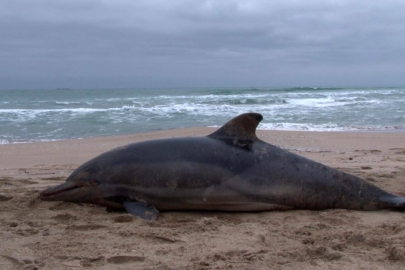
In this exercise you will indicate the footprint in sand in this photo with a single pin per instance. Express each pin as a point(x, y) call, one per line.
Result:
point(371, 179)
point(398, 151)
point(25, 264)
point(5, 198)
point(93, 262)
point(396, 252)
point(64, 217)
point(87, 227)
point(55, 178)
point(124, 219)
point(6, 181)
point(125, 259)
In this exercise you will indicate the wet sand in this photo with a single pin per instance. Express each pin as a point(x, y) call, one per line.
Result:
point(60, 235)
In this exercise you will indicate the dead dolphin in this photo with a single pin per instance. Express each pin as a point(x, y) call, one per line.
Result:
point(228, 170)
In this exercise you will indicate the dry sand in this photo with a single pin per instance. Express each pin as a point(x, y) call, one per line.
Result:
point(60, 235)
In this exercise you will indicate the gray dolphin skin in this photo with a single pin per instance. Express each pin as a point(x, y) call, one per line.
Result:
point(228, 170)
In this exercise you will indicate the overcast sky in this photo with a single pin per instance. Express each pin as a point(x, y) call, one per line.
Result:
point(189, 43)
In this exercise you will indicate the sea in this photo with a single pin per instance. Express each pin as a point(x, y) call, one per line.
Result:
point(56, 114)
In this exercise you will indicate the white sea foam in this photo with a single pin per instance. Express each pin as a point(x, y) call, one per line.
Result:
point(72, 102)
point(37, 111)
point(3, 141)
point(324, 127)
point(318, 102)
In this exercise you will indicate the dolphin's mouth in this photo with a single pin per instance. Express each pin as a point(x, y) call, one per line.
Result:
point(72, 191)
point(54, 193)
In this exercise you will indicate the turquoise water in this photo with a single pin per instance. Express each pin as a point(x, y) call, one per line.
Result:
point(40, 115)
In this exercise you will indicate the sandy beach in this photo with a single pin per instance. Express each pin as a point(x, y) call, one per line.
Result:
point(60, 235)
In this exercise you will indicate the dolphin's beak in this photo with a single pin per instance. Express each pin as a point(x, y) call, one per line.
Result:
point(77, 191)
point(68, 191)
point(58, 189)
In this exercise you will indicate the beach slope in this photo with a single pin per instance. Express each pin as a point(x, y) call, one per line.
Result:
point(61, 235)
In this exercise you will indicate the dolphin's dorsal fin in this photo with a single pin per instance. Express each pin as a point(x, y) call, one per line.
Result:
point(241, 127)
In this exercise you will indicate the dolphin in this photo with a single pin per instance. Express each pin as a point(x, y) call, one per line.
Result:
point(228, 170)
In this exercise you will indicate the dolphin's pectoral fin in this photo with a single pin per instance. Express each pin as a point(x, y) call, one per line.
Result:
point(141, 209)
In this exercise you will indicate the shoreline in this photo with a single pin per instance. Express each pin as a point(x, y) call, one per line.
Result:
point(399, 130)
point(62, 235)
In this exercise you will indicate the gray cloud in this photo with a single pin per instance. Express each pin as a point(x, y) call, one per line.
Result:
point(200, 43)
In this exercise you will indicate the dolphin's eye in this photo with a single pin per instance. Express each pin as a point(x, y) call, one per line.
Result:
point(94, 182)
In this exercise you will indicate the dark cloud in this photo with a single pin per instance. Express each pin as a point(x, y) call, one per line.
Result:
point(200, 43)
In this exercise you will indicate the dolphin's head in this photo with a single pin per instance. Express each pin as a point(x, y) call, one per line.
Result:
point(83, 185)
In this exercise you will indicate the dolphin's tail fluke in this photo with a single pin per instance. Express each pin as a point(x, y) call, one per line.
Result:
point(393, 202)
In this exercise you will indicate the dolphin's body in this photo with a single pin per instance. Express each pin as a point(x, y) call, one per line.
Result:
point(229, 170)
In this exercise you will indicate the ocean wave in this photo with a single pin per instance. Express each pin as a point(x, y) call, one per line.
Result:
point(63, 103)
point(325, 127)
point(221, 92)
point(50, 110)
point(311, 88)
point(18, 141)
point(263, 100)
point(97, 113)
point(4, 141)
point(319, 102)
